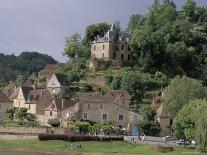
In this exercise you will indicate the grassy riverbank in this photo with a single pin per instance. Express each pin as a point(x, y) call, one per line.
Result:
point(95, 147)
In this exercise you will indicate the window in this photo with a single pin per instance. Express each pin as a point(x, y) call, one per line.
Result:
point(53, 90)
point(105, 117)
point(89, 106)
point(53, 82)
point(122, 47)
point(85, 116)
point(103, 55)
point(121, 117)
point(101, 106)
point(103, 46)
point(94, 47)
point(50, 113)
point(171, 122)
point(122, 56)
point(129, 57)
point(29, 107)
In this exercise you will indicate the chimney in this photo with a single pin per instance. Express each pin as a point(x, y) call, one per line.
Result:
point(62, 104)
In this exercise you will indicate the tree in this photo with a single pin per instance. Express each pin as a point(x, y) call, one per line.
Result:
point(201, 130)
point(115, 38)
point(54, 122)
point(21, 114)
point(84, 127)
point(189, 9)
point(73, 45)
point(180, 91)
point(91, 32)
point(148, 126)
point(190, 123)
point(135, 22)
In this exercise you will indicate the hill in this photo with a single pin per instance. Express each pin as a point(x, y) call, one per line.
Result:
point(23, 65)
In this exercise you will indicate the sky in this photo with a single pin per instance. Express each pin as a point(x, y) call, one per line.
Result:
point(42, 25)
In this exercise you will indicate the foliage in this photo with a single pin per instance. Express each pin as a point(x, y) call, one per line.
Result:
point(54, 122)
point(74, 70)
point(135, 21)
point(83, 127)
point(148, 126)
point(23, 65)
point(190, 123)
point(167, 36)
point(180, 91)
point(21, 114)
point(135, 82)
point(115, 38)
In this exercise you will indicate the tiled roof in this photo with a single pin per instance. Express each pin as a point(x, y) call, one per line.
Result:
point(56, 104)
point(26, 91)
point(34, 96)
point(3, 97)
point(62, 79)
point(49, 70)
point(122, 94)
point(10, 88)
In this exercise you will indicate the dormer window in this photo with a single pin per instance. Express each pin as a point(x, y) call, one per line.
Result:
point(53, 82)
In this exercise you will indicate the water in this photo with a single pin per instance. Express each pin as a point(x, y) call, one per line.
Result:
point(20, 153)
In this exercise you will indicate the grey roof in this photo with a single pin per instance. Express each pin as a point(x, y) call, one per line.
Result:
point(3, 97)
point(123, 36)
point(62, 79)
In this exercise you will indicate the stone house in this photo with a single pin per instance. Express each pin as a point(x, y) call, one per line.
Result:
point(57, 106)
point(165, 122)
point(58, 85)
point(5, 103)
point(19, 97)
point(161, 116)
point(101, 47)
point(97, 107)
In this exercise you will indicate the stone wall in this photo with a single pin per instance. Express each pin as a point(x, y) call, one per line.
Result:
point(22, 130)
point(18, 137)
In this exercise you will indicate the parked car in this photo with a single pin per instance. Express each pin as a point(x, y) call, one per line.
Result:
point(183, 142)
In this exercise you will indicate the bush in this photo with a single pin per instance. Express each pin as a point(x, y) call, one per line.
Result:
point(77, 138)
point(54, 122)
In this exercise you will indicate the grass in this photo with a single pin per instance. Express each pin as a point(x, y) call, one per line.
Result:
point(96, 147)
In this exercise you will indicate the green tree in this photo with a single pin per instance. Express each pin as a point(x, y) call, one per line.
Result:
point(84, 127)
point(180, 91)
point(21, 114)
point(54, 122)
point(73, 45)
point(115, 38)
point(190, 123)
point(135, 22)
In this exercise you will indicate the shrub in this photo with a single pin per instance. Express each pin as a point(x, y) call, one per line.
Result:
point(77, 138)
point(54, 122)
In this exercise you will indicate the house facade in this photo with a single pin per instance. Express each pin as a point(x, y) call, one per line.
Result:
point(101, 47)
point(58, 84)
point(5, 103)
point(96, 107)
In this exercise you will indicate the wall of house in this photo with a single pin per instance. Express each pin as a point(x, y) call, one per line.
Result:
point(104, 50)
point(31, 108)
point(95, 112)
point(3, 107)
point(54, 113)
point(101, 50)
point(19, 102)
point(164, 125)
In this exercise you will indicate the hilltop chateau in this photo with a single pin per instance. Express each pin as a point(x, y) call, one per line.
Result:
point(102, 47)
